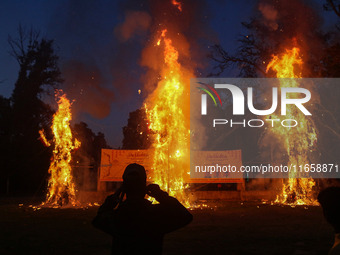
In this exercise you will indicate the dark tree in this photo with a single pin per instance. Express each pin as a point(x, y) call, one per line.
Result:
point(99, 143)
point(331, 61)
point(332, 5)
point(247, 59)
point(263, 38)
point(136, 132)
point(38, 74)
point(91, 143)
point(86, 160)
point(86, 136)
point(5, 139)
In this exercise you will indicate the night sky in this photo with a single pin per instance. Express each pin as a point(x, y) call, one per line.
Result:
point(84, 34)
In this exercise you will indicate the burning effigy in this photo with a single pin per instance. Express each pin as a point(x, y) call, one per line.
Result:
point(298, 141)
point(167, 109)
point(61, 188)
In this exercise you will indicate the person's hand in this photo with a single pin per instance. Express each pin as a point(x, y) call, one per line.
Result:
point(111, 201)
point(153, 190)
point(114, 198)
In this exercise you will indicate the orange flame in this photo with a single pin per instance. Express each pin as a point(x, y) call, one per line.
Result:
point(286, 65)
point(297, 141)
point(169, 123)
point(61, 189)
point(177, 4)
point(43, 138)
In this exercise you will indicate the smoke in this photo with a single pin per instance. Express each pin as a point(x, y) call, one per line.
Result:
point(270, 15)
point(84, 83)
point(106, 54)
point(287, 22)
point(135, 22)
point(189, 27)
point(99, 53)
point(190, 33)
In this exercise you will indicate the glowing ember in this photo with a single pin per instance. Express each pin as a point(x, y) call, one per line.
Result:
point(61, 190)
point(298, 141)
point(177, 4)
point(167, 111)
point(43, 138)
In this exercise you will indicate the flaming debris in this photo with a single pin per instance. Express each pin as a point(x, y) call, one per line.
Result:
point(61, 189)
point(177, 4)
point(297, 141)
point(43, 138)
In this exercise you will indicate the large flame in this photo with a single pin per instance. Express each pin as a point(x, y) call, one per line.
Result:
point(298, 141)
point(61, 188)
point(169, 123)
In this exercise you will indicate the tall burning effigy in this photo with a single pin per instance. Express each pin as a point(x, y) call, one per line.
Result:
point(299, 141)
point(61, 188)
point(167, 111)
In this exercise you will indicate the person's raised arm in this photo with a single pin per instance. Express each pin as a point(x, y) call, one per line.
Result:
point(105, 212)
point(172, 214)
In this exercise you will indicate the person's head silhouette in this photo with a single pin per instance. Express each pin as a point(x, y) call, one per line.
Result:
point(134, 181)
point(330, 202)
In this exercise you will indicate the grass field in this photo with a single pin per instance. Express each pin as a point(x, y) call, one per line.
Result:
point(230, 228)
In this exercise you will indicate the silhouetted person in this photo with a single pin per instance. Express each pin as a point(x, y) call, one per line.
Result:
point(137, 226)
point(330, 202)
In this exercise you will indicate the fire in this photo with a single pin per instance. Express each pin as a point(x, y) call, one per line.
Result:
point(297, 141)
point(177, 4)
point(43, 138)
point(285, 67)
point(169, 123)
point(61, 188)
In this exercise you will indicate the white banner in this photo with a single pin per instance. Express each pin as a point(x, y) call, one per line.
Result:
point(114, 162)
point(216, 166)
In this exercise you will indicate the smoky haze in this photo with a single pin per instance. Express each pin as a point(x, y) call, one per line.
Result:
point(104, 49)
point(287, 25)
point(97, 62)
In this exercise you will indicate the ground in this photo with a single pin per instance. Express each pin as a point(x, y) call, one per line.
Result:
point(229, 228)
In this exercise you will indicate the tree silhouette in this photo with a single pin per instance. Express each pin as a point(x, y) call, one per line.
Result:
point(38, 74)
point(333, 5)
point(5, 138)
point(87, 157)
point(136, 133)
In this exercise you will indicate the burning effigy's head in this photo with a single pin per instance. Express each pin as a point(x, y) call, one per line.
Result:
point(134, 181)
point(330, 202)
